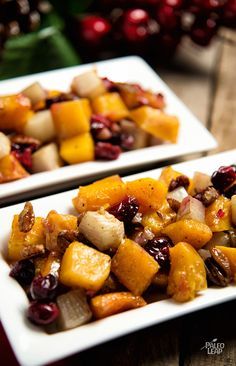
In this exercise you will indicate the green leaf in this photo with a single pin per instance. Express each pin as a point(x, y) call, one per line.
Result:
point(35, 52)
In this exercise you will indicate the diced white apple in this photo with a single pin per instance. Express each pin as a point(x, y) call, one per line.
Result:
point(5, 145)
point(140, 136)
point(34, 92)
point(41, 126)
point(88, 85)
point(191, 208)
point(178, 194)
point(201, 181)
point(46, 158)
point(102, 229)
point(233, 209)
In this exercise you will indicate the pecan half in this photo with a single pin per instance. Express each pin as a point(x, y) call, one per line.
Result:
point(65, 238)
point(180, 181)
point(218, 268)
point(208, 196)
point(26, 218)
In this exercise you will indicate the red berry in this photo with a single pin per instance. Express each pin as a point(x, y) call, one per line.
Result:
point(229, 14)
point(136, 16)
point(125, 210)
point(203, 30)
point(158, 248)
point(41, 313)
point(43, 287)
point(223, 177)
point(135, 33)
point(213, 5)
point(107, 151)
point(177, 4)
point(94, 28)
point(167, 17)
point(23, 272)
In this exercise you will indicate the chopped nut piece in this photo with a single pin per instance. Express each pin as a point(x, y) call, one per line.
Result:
point(65, 238)
point(26, 218)
point(208, 196)
point(180, 181)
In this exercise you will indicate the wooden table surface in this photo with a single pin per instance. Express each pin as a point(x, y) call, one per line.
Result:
point(206, 81)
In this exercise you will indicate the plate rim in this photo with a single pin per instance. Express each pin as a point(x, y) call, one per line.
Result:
point(149, 154)
point(27, 359)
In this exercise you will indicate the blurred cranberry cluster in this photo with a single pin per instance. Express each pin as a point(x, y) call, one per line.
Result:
point(147, 26)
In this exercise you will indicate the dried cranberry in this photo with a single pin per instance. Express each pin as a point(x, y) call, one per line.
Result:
point(107, 151)
point(100, 120)
point(24, 157)
point(23, 272)
point(44, 287)
point(125, 210)
point(231, 191)
point(42, 313)
point(158, 248)
point(223, 177)
point(110, 85)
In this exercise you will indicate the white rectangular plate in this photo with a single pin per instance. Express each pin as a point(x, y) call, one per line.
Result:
point(33, 346)
point(193, 136)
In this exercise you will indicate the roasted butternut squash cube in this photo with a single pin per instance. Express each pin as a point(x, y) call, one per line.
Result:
point(149, 192)
point(168, 174)
point(11, 169)
point(230, 253)
point(218, 214)
point(51, 264)
point(107, 191)
point(84, 267)
point(157, 123)
point(110, 105)
point(113, 303)
point(24, 245)
point(187, 273)
point(14, 112)
point(71, 118)
point(156, 221)
point(77, 149)
point(54, 224)
point(134, 267)
point(193, 232)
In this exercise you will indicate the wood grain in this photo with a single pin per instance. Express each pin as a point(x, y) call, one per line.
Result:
point(223, 117)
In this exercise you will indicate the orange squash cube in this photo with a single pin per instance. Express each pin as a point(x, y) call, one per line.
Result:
point(134, 267)
point(187, 273)
point(110, 105)
point(77, 149)
point(11, 169)
point(157, 123)
point(230, 253)
point(54, 224)
point(23, 245)
point(114, 303)
point(149, 192)
point(71, 118)
point(107, 191)
point(168, 174)
point(156, 221)
point(84, 267)
point(14, 112)
point(193, 232)
point(218, 214)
